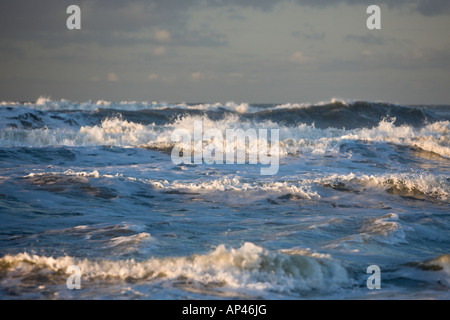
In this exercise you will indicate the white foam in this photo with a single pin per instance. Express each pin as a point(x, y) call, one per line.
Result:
point(443, 263)
point(414, 184)
point(130, 240)
point(69, 172)
point(435, 271)
point(320, 103)
point(47, 104)
point(433, 137)
point(300, 189)
point(247, 268)
point(435, 186)
point(293, 140)
point(235, 184)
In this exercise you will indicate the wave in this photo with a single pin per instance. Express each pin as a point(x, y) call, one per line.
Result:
point(302, 138)
point(121, 239)
point(435, 271)
point(334, 113)
point(248, 268)
point(413, 185)
point(410, 185)
point(299, 189)
point(46, 104)
point(321, 128)
point(351, 115)
point(386, 230)
point(417, 186)
point(234, 184)
point(441, 263)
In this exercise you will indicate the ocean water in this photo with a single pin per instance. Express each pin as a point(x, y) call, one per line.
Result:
point(93, 185)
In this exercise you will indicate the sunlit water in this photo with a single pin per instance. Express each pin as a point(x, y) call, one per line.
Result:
point(94, 185)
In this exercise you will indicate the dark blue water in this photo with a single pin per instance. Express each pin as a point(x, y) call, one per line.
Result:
point(93, 185)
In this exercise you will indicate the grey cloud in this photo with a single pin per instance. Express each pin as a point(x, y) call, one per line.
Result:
point(425, 7)
point(370, 39)
point(308, 35)
point(205, 38)
point(435, 7)
point(264, 5)
point(22, 18)
point(434, 58)
point(45, 19)
point(424, 59)
point(104, 22)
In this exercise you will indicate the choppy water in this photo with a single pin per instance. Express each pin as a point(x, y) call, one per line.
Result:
point(93, 185)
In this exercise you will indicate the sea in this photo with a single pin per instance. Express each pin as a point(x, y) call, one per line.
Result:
point(359, 207)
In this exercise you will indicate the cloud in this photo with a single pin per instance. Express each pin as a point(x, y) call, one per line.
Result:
point(308, 35)
point(378, 40)
point(200, 37)
point(112, 77)
point(431, 8)
point(298, 57)
point(145, 35)
point(103, 20)
point(430, 59)
point(162, 35)
point(236, 75)
point(159, 51)
point(196, 76)
point(47, 18)
point(200, 76)
point(367, 39)
point(424, 7)
point(169, 42)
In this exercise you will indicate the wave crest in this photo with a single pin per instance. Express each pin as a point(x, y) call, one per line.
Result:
point(249, 267)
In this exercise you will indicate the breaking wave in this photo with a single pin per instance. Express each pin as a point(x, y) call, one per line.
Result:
point(303, 138)
point(413, 185)
point(249, 267)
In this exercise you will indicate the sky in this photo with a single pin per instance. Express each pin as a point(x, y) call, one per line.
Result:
point(254, 51)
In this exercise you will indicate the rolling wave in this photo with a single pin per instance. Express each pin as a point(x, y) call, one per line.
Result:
point(412, 185)
point(334, 113)
point(248, 268)
point(120, 132)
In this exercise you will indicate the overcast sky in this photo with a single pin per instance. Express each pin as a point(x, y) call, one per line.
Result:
point(255, 51)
